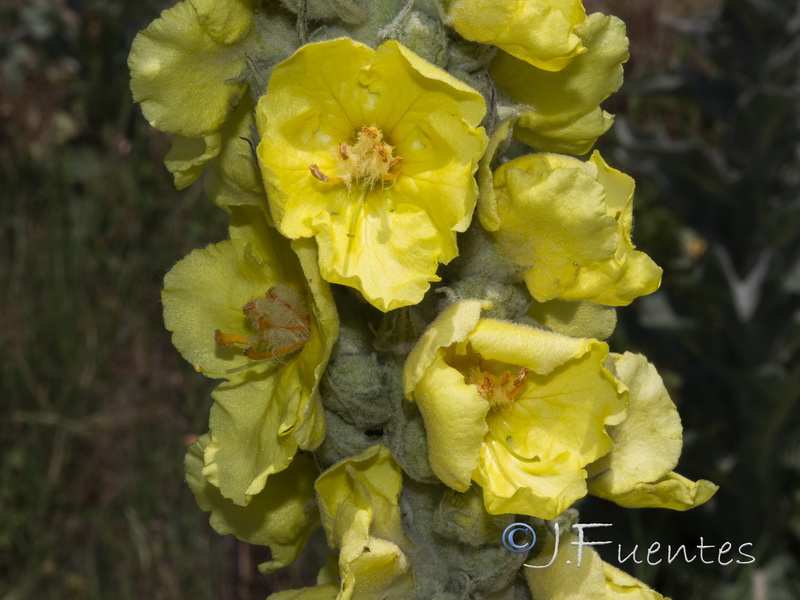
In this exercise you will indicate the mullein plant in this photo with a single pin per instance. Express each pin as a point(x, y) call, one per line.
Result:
point(410, 390)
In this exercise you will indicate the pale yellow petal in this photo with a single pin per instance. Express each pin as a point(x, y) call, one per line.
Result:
point(390, 255)
point(186, 81)
point(455, 423)
point(539, 32)
point(648, 443)
point(453, 325)
point(673, 491)
point(188, 156)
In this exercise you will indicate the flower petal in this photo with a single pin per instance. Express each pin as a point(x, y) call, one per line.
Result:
point(565, 114)
point(390, 255)
point(185, 78)
point(539, 32)
point(358, 500)
point(570, 221)
point(188, 156)
point(672, 491)
point(647, 444)
point(277, 517)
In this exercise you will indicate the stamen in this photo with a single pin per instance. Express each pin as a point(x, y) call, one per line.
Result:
point(369, 160)
point(371, 132)
point(281, 322)
point(227, 340)
point(498, 390)
point(318, 174)
point(520, 379)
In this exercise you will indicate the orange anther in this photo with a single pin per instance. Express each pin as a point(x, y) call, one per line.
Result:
point(227, 340)
point(373, 133)
point(318, 174)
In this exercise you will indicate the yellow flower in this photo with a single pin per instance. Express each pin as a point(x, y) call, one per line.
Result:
point(565, 114)
point(518, 410)
point(540, 32)
point(254, 310)
point(372, 152)
point(570, 221)
point(586, 576)
point(647, 445)
point(278, 516)
point(358, 501)
point(186, 67)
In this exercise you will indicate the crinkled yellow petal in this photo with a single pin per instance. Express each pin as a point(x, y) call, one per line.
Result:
point(188, 156)
point(252, 422)
point(565, 114)
point(620, 585)
point(539, 350)
point(533, 458)
point(321, 97)
point(672, 491)
point(358, 500)
point(453, 325)
point(233, 176)
point(391, 256)
point(567, 135)
point(313, 359)
point(570, 221)
point(539, 32)
point(455, 423)
point(553, 217)
point(588, 579)
point(647, 444)
point(277, 517)
point(186, 80)
point(412, 89)
point(630, 273)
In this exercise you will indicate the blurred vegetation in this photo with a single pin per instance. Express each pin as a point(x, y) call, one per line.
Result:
point(98, 407)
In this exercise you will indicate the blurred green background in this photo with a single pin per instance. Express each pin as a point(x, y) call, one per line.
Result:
point(98, 408)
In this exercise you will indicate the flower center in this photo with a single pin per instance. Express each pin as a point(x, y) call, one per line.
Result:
point(498, 390)
point(366, 163)
point(281, 323)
